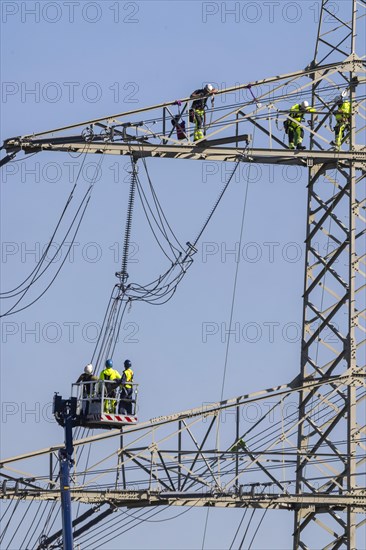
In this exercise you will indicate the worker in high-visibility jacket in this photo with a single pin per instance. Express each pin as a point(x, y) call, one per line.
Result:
point(110, 377)
point(197, 112)
point(126, 389)
point(292, 127)
point(342, 115)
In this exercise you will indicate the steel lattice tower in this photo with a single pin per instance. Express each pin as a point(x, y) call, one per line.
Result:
point(333, 339)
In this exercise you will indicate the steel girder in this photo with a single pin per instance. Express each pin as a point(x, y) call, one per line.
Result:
point(319, 503)
point(205, 151)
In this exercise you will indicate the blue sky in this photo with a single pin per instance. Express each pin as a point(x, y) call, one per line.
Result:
point(65, 62)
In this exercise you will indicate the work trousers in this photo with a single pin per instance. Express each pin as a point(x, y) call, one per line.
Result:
point(199, 118)
point(295, 135)
point(339, 131)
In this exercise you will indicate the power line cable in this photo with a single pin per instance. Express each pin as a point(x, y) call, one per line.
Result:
point(44, 255)
point(247, 528)
point(86, 198)
point(238, 529)
point(257, 529)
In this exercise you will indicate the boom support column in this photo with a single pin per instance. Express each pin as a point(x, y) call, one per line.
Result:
point(65, 411)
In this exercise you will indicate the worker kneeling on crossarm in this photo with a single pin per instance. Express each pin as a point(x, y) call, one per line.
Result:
point(292, 127)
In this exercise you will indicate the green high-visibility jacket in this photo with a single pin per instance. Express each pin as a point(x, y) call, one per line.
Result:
point(109, 374)
point(298, 114)
point(343, 112)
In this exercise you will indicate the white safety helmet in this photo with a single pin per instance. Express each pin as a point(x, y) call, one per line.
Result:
point(209, 87)
point(304, 104)
point(88, 369)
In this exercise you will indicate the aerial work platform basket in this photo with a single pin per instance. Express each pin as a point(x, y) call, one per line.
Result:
point(104, 404)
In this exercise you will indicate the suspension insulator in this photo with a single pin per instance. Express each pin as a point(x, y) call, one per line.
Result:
point(123, 275)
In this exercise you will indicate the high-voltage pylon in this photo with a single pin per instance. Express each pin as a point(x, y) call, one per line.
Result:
point(333, 339)
point(312, 459)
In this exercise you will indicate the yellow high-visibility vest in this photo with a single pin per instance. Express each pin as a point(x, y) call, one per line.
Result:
point(129, 377)
point(298, 114)
point(344, 111)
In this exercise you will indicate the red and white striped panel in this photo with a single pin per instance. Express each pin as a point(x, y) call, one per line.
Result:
point(118, 418)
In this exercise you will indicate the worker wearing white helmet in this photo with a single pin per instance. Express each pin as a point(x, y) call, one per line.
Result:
point(292, 127)
point(197, 112)
point(88, 369)
point(342, 115)
point(87, 375)
point(86, 379)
